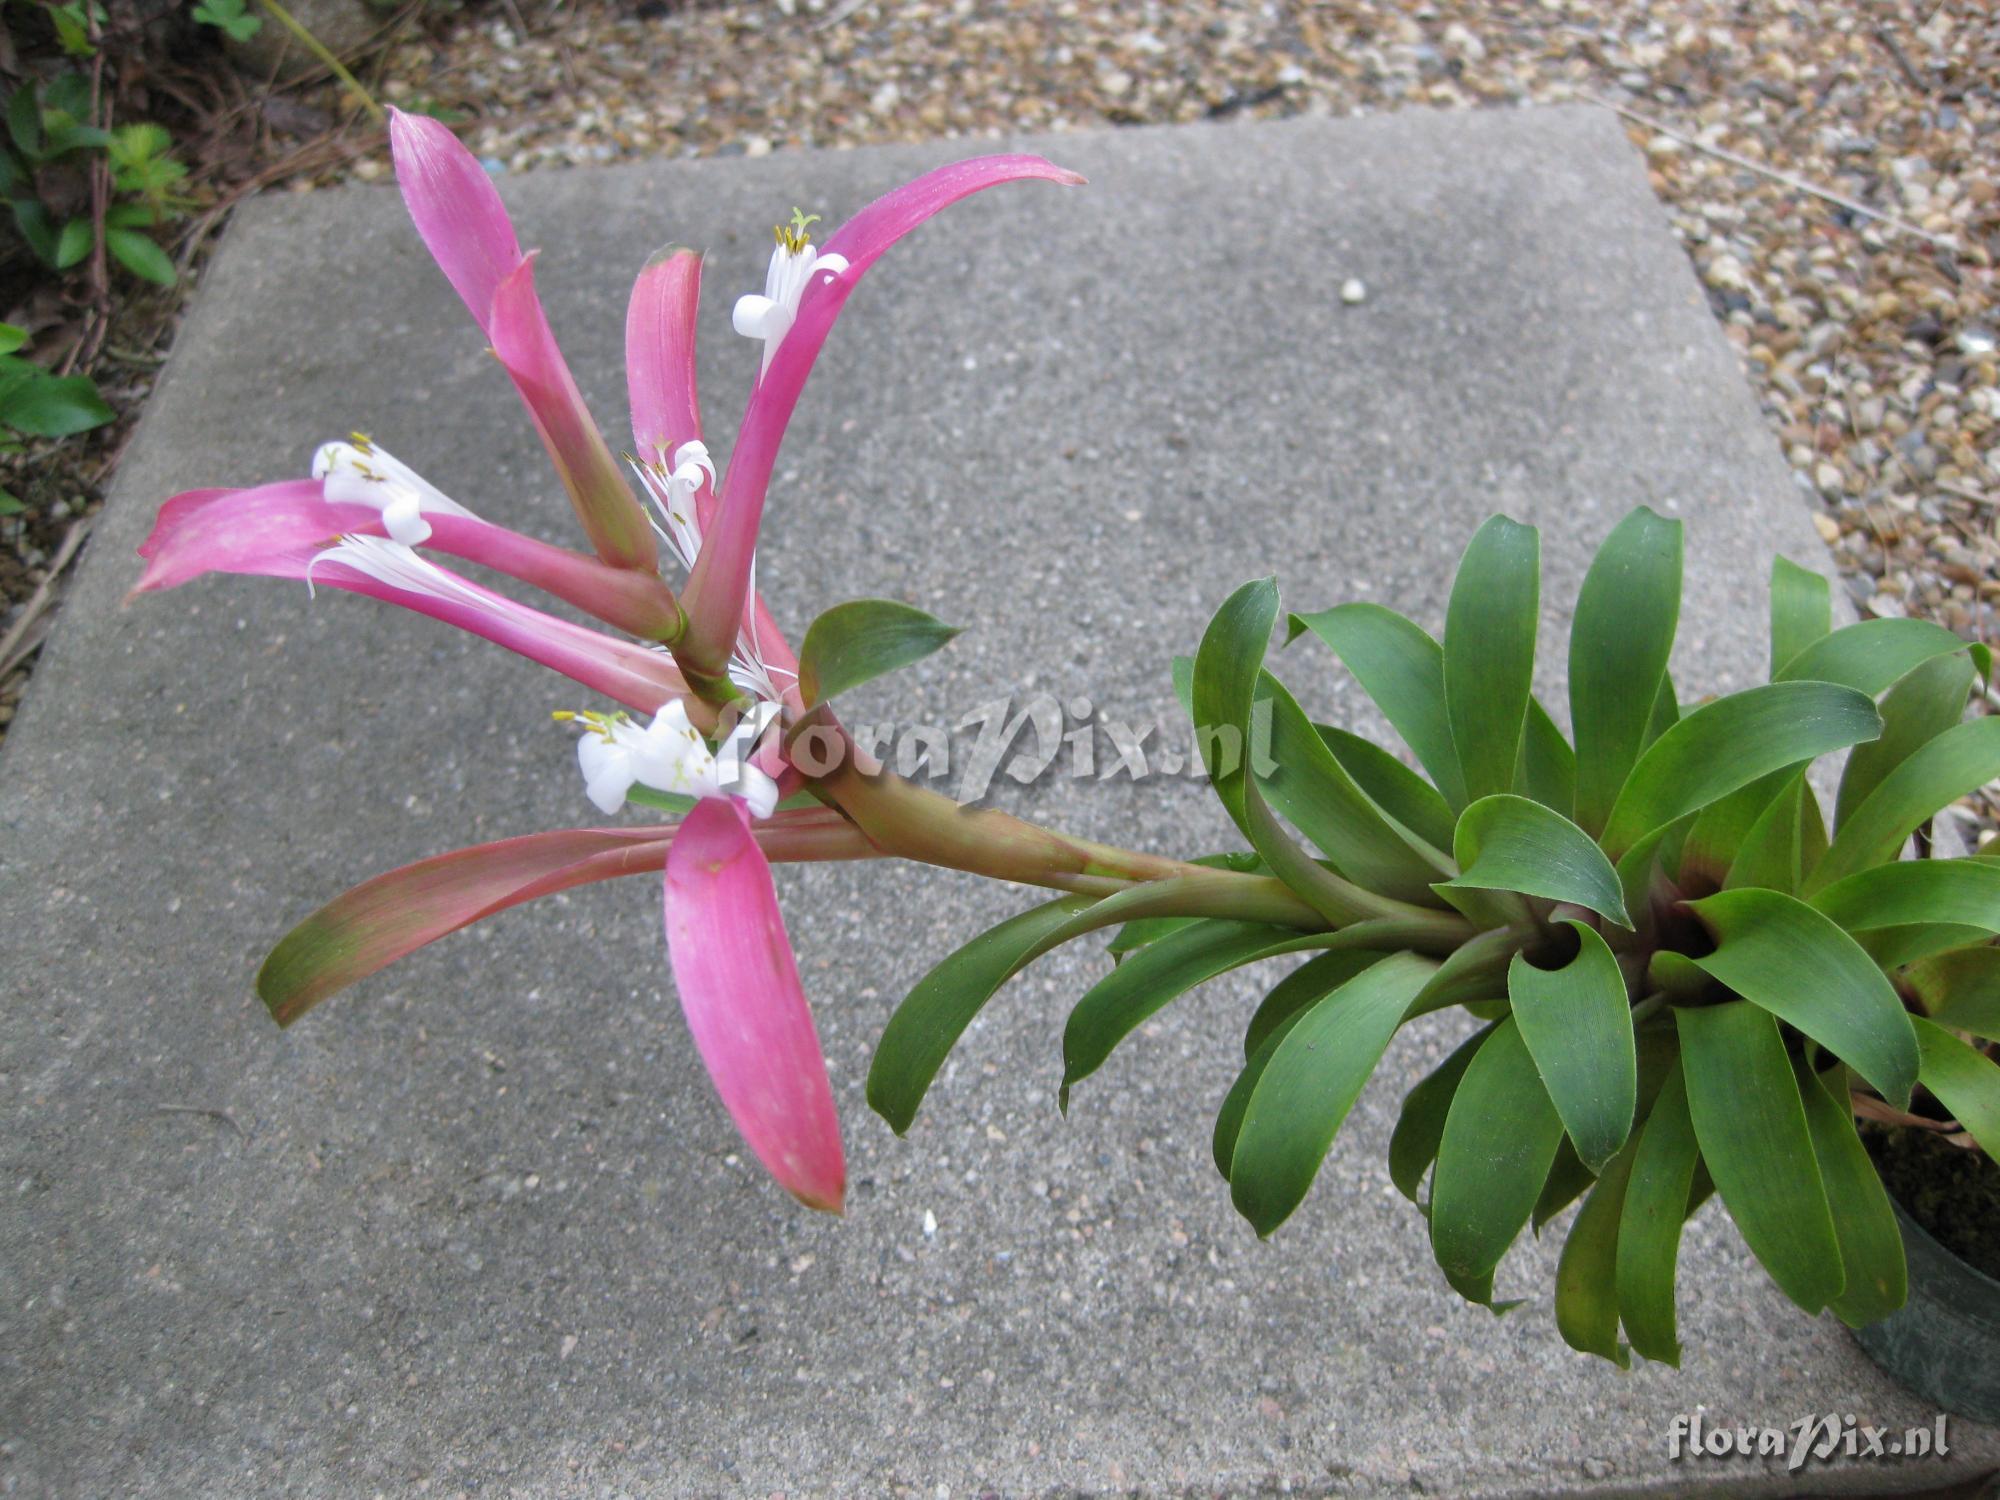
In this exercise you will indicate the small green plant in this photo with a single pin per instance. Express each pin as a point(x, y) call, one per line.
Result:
point(1683, 982)
point(230, 18)
point(73, 24)
point(50, 135)
point(35, 403)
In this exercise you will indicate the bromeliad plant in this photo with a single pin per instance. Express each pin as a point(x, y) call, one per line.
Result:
point(1684, 984)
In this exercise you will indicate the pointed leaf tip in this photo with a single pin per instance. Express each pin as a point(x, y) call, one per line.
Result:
point(860, 640)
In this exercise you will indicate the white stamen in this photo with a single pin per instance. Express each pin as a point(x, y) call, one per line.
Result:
point(770, 317)
point(398, 565)
point(673, 493)
point(359, 473)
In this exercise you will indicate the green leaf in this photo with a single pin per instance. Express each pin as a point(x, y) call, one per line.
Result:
point(74, 243)
point(1420, 1125)
point(1569, 1179)
point(1911, 891)
point(1309, 1085)
point(1294, 995)
point(1966, 1082)
point(1489, 652)
point(1227, 675)
point(1928, 701)
point(1576, 1022)
point(1301, 989)
point(1229, 1115)
point(1587, 1274)
point(1116, 1005)
point(1893, 947)
point(1960, 989)
point(52, 406)
point(1227, 668)
point(24, 121)
point(860, 640)
point(36, 228)
point(1666, 713)
point(1640, 866)
point(1649, 1228)
point(1141, 931)
point(1772, 855)
point(1871, 1244)
point(1799, 965)
point(1801, 611)
point(1508, 843)
point(1309, 786)
point(1718, 831)
point(1730, 743)
point(1751, 1124)
point(128, 216)
point(1500, 1137)
point(1393, 786)
point(11, 338)
point(1871, 655)
point(929, 1022)
point(1626, 614)
point(72, 30)
point(1548, 765)
point(1402, 670)
point(1958, 761)
point(1475, 970)
point(140, 255)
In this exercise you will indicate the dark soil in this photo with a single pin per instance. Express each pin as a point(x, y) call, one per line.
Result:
point(1952, 1192)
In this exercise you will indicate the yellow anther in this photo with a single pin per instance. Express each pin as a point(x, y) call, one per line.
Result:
point(592, 721)
point(798, 234)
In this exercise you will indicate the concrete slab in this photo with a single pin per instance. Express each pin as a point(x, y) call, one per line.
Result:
point(481, 1226)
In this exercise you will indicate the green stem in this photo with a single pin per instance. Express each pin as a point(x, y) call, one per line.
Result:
point(915, 823)
point(320, 50)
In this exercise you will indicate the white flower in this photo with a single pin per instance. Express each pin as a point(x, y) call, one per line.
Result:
point(794, 264)
point(359, 473)
point(669, 755)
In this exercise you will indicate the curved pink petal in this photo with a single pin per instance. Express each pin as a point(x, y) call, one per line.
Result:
point(283, 531)
point(639, 678)
point(384, 919)
point(262, 530)
point(659, 354)
point(739, 989)
point(243, 531)
point(456, 208)
point(381, 920)
point(604, 502)
point(715, 593)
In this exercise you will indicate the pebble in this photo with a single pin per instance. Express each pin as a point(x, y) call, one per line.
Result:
point(1353, 290)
